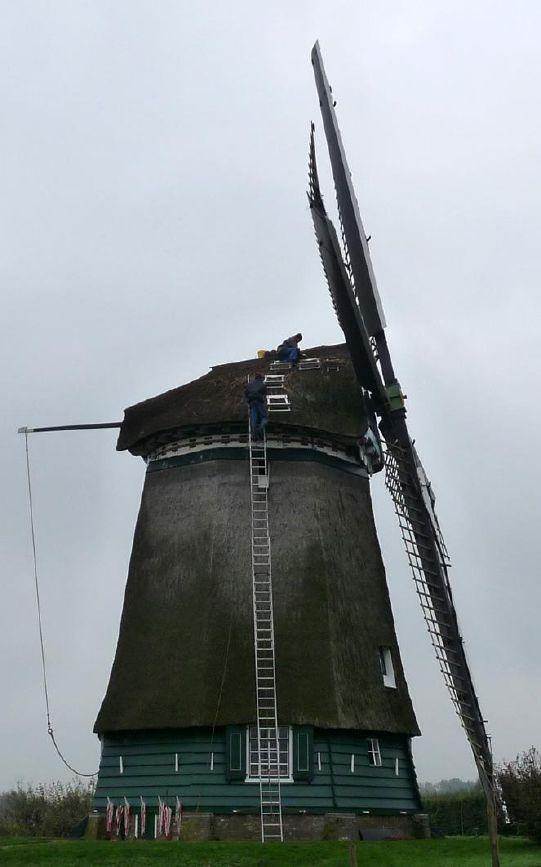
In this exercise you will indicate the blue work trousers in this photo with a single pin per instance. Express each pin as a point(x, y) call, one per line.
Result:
point(258, 417)
point(290, 353)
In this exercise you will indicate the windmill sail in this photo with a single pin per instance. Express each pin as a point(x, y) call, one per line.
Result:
point(340, 288)
point(405, 476)
point(353, 231)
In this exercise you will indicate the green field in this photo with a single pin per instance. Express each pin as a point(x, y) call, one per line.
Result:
point(452, 852)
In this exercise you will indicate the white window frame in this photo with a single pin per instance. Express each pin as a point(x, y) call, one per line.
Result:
point(387, 667)
point(374, 753)
point(283, 778)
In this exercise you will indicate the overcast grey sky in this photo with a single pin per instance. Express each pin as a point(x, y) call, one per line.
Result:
point(154, 222)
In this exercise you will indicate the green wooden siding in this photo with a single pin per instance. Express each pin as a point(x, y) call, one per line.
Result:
point(148, 761)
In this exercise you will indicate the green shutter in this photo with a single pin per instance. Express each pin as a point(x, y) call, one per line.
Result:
point(235, 752)
point(303, 753)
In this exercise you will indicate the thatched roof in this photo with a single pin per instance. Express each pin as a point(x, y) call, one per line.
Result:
point(185, 650)
point(326, 399)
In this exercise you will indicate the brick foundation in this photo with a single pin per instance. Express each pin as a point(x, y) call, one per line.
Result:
point(328, 826)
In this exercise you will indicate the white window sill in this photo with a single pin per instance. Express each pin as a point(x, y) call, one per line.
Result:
point(271, 780)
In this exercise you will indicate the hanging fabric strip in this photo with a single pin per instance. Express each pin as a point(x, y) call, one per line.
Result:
point(143, 814)
point(109, 814)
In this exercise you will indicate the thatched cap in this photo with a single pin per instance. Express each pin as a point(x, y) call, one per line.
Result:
point(325, 399)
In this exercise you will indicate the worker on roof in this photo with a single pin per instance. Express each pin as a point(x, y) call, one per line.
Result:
point(289, 349)
point(256, 397)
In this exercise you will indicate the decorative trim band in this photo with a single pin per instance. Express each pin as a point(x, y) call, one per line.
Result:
point(231, 447)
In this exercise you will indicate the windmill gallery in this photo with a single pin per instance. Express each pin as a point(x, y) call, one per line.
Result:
point(274, 704)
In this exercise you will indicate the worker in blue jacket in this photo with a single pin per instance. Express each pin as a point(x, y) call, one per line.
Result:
point(289, 349)
point(256, 397)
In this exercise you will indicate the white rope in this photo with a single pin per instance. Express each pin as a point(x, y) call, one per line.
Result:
point(50, 731)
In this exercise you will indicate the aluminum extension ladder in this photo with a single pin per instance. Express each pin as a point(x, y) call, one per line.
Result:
point(268, 741)
point(268, 756)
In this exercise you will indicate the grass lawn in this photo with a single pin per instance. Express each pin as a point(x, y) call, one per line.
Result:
point(452, 852)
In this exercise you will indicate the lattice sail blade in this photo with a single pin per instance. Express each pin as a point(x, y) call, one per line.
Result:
point(429, 561)
point(341, 291)
point(353, 232)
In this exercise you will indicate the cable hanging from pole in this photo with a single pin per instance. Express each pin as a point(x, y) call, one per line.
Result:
point(50, 730)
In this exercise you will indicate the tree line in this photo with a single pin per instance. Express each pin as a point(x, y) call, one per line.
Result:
point(45, 810)
point(458, 807)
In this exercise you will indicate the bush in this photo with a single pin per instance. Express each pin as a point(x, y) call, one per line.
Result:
point(520, 783)
point(45, 810)
point(458, 812)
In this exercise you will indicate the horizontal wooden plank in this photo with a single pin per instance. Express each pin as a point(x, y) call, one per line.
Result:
point(130, 763)
point(159, 750)
point(389, 805)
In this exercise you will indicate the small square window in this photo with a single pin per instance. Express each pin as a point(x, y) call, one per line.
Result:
point(374, 754)
point(386, 667)
point(268, 761)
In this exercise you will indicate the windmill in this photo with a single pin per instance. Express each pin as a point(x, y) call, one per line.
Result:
point(257, 676)
point(358, 307)
point(257, 688)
